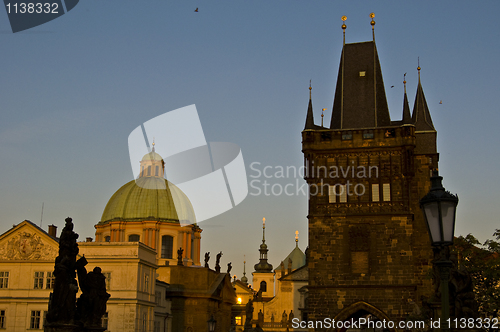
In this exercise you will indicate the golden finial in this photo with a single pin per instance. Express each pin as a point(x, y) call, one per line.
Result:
point(263, 222)
point(418, 68)
point(310, 88)
point(322, 115)
point(296, 236)
point(343, 18)
point(153, 144)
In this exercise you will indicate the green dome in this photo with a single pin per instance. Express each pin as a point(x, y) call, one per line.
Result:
point(152, 156)
point(149, 198)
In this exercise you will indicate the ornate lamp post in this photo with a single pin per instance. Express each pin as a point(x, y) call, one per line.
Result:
point(439, 207)
point(211, 324)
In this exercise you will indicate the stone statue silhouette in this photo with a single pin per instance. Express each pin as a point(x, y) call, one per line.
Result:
point(229, 267)
point(91, 305)
point(179, 256)
point(62, 300)
point(249, 315)
point(217, 262)
point(207, 258)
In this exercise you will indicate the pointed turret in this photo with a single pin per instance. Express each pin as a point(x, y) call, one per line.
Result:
point(406, 107)
point(244, 279)
point(263, 265)
point(421, 116)
point(310, 117)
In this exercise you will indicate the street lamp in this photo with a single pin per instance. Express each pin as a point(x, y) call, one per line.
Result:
point(439, 207)
point(211, 324)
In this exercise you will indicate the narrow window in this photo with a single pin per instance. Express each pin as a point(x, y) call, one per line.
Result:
point(167, 244)
point(342, 192)
point(38, 280)
point(157, 170)
point(158, 298)
point(144, 322)
point(149, 170)
point(2, 319)
point(375, 192)
point(50, 280)
point(263, 286)
point(387, 192)
point(146, 283)
point(35, 319)
point(107, 238)
point(4, 279)
point(332, 196)
point(142, 172)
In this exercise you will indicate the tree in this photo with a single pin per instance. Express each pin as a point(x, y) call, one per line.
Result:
point(483, 263)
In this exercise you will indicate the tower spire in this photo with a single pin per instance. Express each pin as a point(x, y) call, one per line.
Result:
point(244, 279)
point(372, 16)
point(406, 105)
point(263, 265)
point(310, 116)
point(296, 238)
point(421, 117)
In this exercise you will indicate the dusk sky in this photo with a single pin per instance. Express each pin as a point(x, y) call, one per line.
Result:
point(73, 89)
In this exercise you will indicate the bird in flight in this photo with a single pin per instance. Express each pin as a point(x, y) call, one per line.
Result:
point(440, 101)
point(196, 10)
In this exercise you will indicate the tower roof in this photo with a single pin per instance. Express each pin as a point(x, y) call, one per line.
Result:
point(406, 108)
point(360, 100)
point(421, 116)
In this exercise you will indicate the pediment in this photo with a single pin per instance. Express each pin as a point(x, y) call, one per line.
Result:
point(27, 242)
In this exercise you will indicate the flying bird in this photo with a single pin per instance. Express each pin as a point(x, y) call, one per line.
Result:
point(440, 101)
point(392, 86)
point(196, 10)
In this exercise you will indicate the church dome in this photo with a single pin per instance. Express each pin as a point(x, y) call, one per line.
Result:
point(148, 198)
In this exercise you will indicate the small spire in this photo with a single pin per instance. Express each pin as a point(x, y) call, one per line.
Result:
point(372, 16)
point(343, 18)
point(406, 105)
point(263, 230)
point(310, 89)
point(309, 116)
point(244, 279)
point(153, 150)
point(322, 115)
point(296, 238)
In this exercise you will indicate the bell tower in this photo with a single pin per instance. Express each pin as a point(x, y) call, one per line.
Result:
point(263, 276)
point(369, 250)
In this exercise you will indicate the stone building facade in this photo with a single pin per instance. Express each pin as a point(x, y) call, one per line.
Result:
point(369, 250)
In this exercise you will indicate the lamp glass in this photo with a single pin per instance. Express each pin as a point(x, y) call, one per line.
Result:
point(432, 217)
point(448, 217)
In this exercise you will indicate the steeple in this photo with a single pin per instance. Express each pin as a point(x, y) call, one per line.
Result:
point(421, 116)
point(310, 117)
point(360, 100)
point(244, 279)
point(406, 106)
point(263, 265)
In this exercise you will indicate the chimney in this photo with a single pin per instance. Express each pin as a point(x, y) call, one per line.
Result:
point(89, 239)
point(53, 231)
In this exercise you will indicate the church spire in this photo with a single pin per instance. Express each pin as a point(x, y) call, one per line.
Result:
point(244, 279)
point(263, 265)
point(406, 106)
point(421, 116)
point(309, 117)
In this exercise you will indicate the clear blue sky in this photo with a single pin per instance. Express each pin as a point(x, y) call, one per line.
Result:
point(73, 89)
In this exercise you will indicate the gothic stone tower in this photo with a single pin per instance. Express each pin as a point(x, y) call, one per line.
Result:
point(369, 249)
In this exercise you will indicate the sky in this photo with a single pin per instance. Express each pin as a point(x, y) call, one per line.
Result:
point(73, 89)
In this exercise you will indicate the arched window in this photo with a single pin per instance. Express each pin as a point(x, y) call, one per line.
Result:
point(157, 170)
point(263, 286)
point(167, 246)
point(149, 170)
point(133, 238)
point(107, 238)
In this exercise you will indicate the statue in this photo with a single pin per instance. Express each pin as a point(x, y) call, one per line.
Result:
point(207, 258)
point(229, 267)
point(249, 315)
point(179, 256)
point(284, 319)
point(217, 262)
point(91, 305)
point(290, 318)
point(260, 318)
point(62, 299)
point(65, 313)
